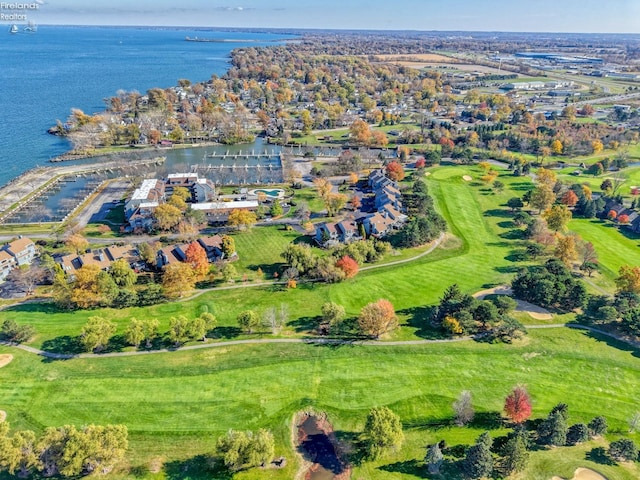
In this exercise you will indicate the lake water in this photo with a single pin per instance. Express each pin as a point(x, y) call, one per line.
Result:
point(43, 75)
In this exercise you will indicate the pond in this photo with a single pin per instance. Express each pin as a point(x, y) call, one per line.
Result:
point(317, 444)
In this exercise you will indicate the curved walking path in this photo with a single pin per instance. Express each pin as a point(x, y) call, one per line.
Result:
point(309, 341)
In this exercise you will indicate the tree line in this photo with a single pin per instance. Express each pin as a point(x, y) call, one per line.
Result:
point(65, 451)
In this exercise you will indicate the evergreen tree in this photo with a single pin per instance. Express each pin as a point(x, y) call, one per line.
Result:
point(515, 454)
point(553, 431)
point(598, 426)
point(478, 462)
point(434, 459)
point(577, 433)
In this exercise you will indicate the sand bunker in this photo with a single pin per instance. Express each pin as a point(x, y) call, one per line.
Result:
point(5, 359)
point(584, 474)
point(427, 174)
point(3, 415)
point(534, 311)
point(467, 178)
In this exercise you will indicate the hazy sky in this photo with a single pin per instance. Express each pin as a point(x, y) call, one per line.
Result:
point(494, 15)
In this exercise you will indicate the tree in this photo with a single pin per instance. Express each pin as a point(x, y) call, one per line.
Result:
point(577, 433)
point(598, 426)
point(248, 320)
point(242, 219)
point(332, 314)
point(334, 202)
point(395, 171)
point(377, 318)
point(12, 332)
point(515, 455)
point(569, 198)
point(77, 243)
point(134, 334)
point(623, 219)
point(556, 147)
point(179, 330)
point(276, 209)
point(209, 321)
point(360, 132)
point(463, 408)
point(228, 246)
point(382, 432)
point(597, 146)
point(546, 177)
point(504, 304)
point(177, 279)
point(167, 216)
point(478, 462)
point(122, 273)
point(565, 249)
point(240, 450)
point(515, 203)
point(628, 280)
point(228, 272)
point(553, 431)
point(557, 217)
point(196, 258)
point(19, 453)
point(348, 265)
point(542, 197)
point(95, 334)
point(434, 459)
point(623, 450)
point(517, 405)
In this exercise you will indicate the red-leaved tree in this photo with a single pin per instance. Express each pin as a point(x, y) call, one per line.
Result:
point(395, 171)
point(624, 219)
point(348, 265)
point(570, 198)
point(517, 405)
point(420, 163)
point(612, 215)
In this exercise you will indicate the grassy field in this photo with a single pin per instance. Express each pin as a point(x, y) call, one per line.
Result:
point(176, 404)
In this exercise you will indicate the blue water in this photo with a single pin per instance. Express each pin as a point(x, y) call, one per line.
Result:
point(44, 75)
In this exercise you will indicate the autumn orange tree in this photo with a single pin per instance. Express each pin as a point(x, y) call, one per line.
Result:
point(569, 198)
point(177, 279)
point(360, 132)
point(517, 405)
point(377, 318)
point(242, 218)
point(348, 265)
point(628, 280)
point(395, 171)
point(196, 256)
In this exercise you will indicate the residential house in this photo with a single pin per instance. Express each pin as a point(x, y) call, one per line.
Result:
point(171, 254)
point(14, 254)
point(213, 246)
point(201, 189)
point(329, 234)
point(633, 219)
point(378, 225)
point(102, 257)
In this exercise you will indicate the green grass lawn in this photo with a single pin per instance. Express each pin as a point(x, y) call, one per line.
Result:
point(176, 404)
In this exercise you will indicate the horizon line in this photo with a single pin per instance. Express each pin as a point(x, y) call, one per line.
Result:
point(316, 29)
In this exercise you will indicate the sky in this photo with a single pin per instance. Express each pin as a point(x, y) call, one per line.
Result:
point(614, 16)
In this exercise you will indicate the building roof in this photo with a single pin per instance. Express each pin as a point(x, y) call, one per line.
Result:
point(347, 225)
point(225, 205)
point(96, 257)
point(19, 245)
point(144, 190)
point(379, 222)
point(214, 241)
point(4, 256)
point(127, 252)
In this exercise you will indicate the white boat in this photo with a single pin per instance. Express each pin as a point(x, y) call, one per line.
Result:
point(31, 27)
point(14, 28)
